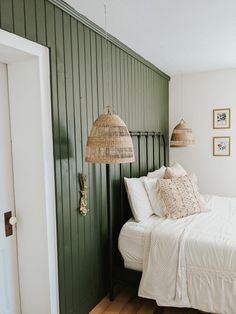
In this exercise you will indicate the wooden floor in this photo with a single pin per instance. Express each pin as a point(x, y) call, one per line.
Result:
point(127, 302)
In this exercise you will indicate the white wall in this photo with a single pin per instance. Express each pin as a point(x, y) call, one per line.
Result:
point(200, 94)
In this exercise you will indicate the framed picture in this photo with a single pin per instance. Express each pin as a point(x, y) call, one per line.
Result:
point(221, 146)
point(221, 118)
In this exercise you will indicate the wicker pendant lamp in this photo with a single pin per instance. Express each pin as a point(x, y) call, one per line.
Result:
point(182, 135)
point(109, 141)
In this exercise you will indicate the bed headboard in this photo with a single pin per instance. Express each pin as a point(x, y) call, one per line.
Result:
point(150, 154)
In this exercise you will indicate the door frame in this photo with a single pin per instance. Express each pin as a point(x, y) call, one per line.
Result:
point(14, 49)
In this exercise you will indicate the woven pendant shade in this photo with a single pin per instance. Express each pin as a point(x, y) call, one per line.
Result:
point(182, 135)
point(109, 141)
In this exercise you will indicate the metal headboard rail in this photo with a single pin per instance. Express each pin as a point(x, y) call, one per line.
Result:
point(150, 146)
point(160, 136)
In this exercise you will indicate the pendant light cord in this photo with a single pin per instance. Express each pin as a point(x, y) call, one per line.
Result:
point(105, 14)
point(108, 106)
point(182, 99)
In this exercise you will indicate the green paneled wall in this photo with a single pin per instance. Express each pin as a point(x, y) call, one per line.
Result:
point(79, 87)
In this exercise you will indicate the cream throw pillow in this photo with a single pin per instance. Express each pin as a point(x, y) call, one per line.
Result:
point(180, 197)
point(176, 170)
point(138, 199)
point(150, 186)
point(157, 174)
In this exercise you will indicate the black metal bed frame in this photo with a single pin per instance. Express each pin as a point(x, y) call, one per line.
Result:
point(150, 154)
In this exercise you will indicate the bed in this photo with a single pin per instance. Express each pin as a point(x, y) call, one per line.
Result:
point(188, 262)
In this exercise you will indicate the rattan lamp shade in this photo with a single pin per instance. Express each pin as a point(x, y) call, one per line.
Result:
point(182, 135)
point(109, 141)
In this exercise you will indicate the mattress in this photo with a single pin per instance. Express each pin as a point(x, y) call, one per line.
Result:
point(131, 242)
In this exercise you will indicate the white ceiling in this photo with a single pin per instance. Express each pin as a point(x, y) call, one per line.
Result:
point(178, 36)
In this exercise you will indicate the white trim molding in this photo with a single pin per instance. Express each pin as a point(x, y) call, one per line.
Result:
point(19, 53)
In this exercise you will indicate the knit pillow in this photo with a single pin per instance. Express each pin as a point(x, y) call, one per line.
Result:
point(180, 197)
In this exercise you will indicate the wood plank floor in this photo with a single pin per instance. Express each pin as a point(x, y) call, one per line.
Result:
point(127, 302)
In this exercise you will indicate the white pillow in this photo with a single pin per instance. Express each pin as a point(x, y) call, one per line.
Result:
point(176, 170)
point(158, 174)
point(138, 199)
point(151, 188)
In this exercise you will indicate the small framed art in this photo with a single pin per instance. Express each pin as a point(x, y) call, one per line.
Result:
point(221, 118)
point(221, 146)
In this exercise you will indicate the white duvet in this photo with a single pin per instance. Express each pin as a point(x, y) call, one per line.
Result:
point(191, 262)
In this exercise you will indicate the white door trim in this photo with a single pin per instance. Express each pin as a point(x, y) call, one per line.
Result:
point(13, 49)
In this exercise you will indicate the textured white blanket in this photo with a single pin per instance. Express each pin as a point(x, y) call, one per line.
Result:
point(191, 262)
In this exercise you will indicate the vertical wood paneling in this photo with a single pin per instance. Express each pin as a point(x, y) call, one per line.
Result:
point(97, 260)
point(122, 100)
point(76, 230)
point(79, 102)
point(87, 74)
point(72, 215)
point(101, 97)
point(6, 14)
point(129, 82)
point(30, 19)
point(85, 228)
point(19, 17)
point(51, 42)
point(109, 64)
point(113, 69)
point(40, 21)
point(118, 80)
point(64, 215)
point(89, 243)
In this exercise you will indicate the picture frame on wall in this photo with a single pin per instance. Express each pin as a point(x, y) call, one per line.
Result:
point(221, 146)
point(221, 118)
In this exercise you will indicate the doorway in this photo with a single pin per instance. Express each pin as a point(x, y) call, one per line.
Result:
point(27, 186)
point(9, 281)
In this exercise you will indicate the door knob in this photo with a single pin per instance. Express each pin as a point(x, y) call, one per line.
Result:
point(13, 221)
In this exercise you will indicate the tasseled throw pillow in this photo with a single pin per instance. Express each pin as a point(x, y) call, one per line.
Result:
point(180, 197)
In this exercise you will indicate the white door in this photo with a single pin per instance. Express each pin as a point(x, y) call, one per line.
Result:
point(9, 283)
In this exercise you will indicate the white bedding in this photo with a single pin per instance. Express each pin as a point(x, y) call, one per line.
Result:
point(131, 242)
point(191, 262)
